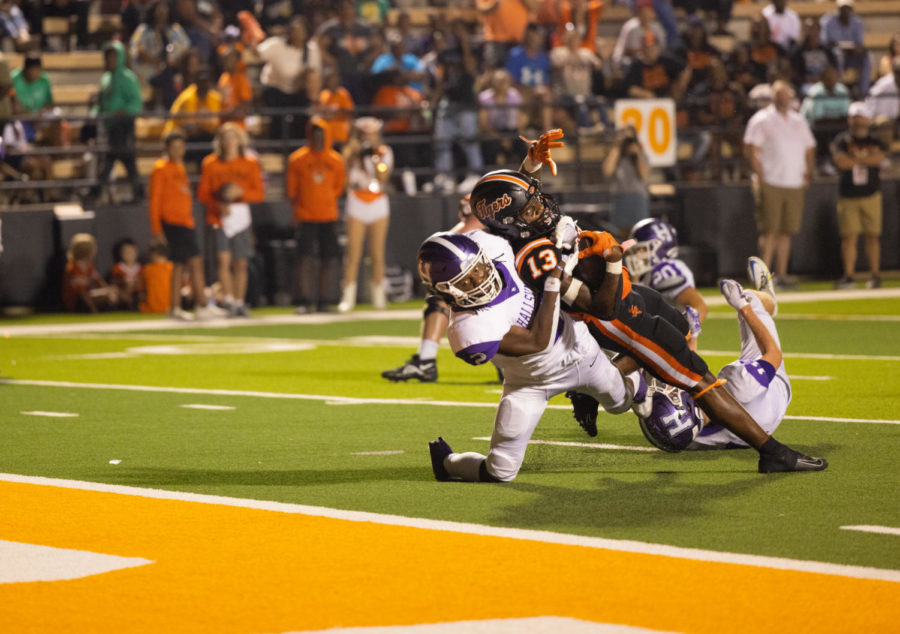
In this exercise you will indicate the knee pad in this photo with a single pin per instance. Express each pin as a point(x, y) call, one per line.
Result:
point(434, 304)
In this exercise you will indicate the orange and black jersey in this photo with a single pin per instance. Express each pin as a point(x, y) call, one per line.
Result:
point(643, 325)
point(538, 257)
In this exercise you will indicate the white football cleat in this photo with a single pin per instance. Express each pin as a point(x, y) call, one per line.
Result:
point(762, 280)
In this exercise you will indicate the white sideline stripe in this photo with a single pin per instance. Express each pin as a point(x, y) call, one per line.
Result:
point(882, 530)
point(214, 408)
point(696, 554)
point(800, 377)
point(589, 445)
point(534, 624)
point(372, 315)
point(395, 452)
point(338, 400)
point(50, 414)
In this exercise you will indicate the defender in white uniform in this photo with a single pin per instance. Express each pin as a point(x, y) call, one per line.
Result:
point(758, 379)
point(493, 312)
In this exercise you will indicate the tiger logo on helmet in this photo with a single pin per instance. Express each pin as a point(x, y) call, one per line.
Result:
point(512, 205)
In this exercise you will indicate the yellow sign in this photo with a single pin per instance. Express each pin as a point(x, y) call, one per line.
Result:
point(654, 121)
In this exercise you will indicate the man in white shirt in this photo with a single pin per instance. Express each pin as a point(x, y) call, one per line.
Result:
point(784, 23)
point(883, 100)
point(781, 150)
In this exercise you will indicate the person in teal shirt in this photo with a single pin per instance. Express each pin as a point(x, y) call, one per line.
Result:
point(121, 101)
point(32, 85)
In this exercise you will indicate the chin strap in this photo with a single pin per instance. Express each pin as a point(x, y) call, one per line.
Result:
point(718, 383)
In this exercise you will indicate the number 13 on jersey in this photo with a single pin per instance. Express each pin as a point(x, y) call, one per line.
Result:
point(544, 260)
point(654, 121)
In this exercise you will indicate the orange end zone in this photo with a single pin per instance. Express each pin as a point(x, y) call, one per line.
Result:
point(226, 569)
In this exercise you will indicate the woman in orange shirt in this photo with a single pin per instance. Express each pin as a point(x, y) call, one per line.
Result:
point(231, 178)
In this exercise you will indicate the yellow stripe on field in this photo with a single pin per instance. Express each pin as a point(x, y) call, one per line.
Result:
point(226, 569)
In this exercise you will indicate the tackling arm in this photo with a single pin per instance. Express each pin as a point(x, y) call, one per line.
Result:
point(691, 297)
point(520, 341)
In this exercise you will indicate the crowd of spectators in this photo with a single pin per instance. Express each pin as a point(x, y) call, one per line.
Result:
point(455, 95)
point(374, 102)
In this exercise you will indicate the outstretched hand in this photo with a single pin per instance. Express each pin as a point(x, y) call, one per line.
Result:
point(539, 150)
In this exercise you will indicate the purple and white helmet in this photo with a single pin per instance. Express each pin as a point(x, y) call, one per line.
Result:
point(674, 421)
point(655, 241)
point(455, 267)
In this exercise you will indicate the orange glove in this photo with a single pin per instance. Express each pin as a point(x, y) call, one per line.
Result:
point(539, 151)
point(602, 243)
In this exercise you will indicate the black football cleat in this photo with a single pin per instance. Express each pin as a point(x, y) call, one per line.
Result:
point(786, 460)
point(439, 450)
point(585, 410)
point(414, 368)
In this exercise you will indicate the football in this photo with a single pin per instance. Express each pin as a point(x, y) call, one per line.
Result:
point(591, 269)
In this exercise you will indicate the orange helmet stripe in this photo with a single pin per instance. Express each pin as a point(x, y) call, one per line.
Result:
point(509, 179)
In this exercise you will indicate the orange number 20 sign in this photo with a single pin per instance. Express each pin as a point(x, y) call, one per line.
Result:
point(654, 120)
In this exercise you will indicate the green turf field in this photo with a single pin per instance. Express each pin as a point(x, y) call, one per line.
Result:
point(318, 403)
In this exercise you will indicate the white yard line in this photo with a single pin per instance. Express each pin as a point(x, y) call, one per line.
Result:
point(813, 317)
point(695, 554)
point(808, 355)
point(881, 530)
point(392, 452)
point(171, 324)
point(831, 419)
point(800, 377)
point(213, 408)
point(340, 400)
point(51, 414)
point(589, 445)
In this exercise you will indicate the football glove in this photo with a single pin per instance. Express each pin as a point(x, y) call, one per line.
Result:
point(539, 150)
point(693, 318)
point(602, 243)
point(570, 261)
point(734, 294)
point(565, 233)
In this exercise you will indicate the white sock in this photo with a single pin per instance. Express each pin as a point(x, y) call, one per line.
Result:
point(238, 303)
point(428, 349)
point(229, 300)
point(464, 466)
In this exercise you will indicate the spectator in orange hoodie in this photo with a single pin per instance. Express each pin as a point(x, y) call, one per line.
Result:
point(230, 179)
point(172, 225)
point(336, 106)
point(315, 180)
point(234, 87)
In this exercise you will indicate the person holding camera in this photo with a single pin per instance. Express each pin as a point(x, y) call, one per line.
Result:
point(369, 164)
point(626, 164)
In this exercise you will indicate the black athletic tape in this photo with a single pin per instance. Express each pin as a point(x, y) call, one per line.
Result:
point(434, 304)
